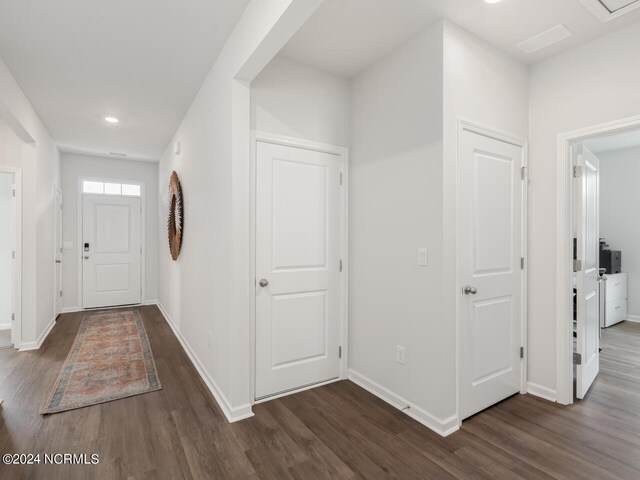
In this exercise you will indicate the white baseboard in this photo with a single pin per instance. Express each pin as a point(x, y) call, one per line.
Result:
point(71, 309)
point(442, 427)
point(5, 326)
point(633, 318)
point(153, 301)
point(26, 346)
point(232, 413)
point(542, 392)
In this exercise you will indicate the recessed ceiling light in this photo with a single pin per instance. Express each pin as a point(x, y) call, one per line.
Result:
point(111, 119)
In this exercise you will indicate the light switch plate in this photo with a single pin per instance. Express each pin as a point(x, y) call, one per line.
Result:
point(423, 257)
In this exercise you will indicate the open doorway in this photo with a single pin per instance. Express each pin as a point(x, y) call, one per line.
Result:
point(605, 256)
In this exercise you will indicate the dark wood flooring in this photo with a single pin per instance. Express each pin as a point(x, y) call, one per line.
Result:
point(337, 431)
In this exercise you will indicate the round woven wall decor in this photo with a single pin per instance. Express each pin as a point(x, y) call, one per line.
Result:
point(176, 216)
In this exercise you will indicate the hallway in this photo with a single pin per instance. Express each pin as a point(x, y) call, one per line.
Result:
point(339, 431)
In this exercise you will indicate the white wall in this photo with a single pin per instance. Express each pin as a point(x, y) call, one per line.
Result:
point(6, 247)
point(74, 167)
point(485, 86)
point(27, 144)
point(295, 100)
point(206, 292)
point(396, 207)
point(619, 219)
point(588, 85)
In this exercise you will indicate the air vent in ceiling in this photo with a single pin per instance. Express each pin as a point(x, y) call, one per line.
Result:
point(116, 154)
point(606, 10)
point(544, 39)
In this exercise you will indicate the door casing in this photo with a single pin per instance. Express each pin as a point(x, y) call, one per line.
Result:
point(343, 153)
point(564, 246)
point(16, 277)
point(143, 222)
point(465, 125)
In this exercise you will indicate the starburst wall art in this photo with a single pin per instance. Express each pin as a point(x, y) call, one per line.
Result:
point(175, 219)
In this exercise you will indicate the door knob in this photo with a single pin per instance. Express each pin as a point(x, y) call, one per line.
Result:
point(58, 261)
point(263, 282)
point(86, 257)
point(469, 290)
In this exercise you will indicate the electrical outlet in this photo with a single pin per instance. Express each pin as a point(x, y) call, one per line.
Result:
point(401, 354)
point(210, 340)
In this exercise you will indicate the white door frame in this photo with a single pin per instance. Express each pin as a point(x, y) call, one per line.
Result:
point(343, 153)
point(564, 247)
point(465, 125)
point(16, 329)
point(143, 222)
point(57, 279)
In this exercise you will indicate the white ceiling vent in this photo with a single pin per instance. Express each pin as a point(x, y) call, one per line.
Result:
point(544, 39)
point(606, 10)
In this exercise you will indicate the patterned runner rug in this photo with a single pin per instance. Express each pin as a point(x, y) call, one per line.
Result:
point(110, 359)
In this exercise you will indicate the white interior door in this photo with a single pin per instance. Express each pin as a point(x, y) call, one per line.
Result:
point(587, 185)
point(111, 251)
point(58, 254)
point(297, 268)
point(7, 248)
point(490, 271)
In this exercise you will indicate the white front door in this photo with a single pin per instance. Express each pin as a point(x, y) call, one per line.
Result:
point(58, 254)
point(298, 246)
point(490, 271)
point(587, 184)
point(111, 251)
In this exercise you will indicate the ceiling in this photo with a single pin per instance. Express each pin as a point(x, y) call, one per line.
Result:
point(609, 143)
point(346, 36)
point(142, 61)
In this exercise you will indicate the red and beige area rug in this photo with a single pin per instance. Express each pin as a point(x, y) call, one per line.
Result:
point(110, 359)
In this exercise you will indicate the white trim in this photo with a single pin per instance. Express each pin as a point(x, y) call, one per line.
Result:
point(442, 427)
point(57, 279)
point(153, 301)
point(603, 14)
point(5, 326)
point(297, 390)
point(26, 346)
point(633, 318)
point(564, 248)
point(542, 392)
point(232, 413)
point(343, 152)
point(143, 227)
point(16, 277)
point(71, 309)
point(466, 125)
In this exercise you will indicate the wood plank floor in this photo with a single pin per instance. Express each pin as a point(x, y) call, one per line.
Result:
point(334, 432)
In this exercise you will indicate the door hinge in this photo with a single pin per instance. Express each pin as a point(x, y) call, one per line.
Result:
point(13, 317)
point(140, 250)
point(577, 172)
point(521, 263)
point(13, 192)
point(340, 352)
point(13, 254)
point(577, 358)
point(340, 178)
point(61, 293)
point(340, 265)
point(521, 352)
point(577, 265)
point(523, 173)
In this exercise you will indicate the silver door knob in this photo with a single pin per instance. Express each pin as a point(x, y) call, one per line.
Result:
point(469, 290)
point(263, 282)
point(86, 257)
point(58, 261)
